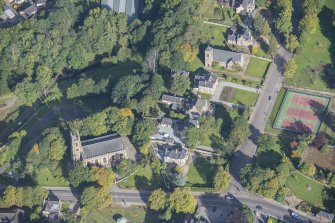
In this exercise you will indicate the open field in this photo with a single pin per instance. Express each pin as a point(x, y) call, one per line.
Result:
point(301, 112)
point(257, 68)
point(318, 53)
point(239, 96)
point(143, 179)
point(305, 188)
point(201, 173)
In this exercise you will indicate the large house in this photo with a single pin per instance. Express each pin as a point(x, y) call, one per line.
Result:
point(176, 155)
point(183, 73)
point(246, 6)
point(52, 209)
point(205, 83)
point(241, 39)
point(226, 59)
point(130, 7)
point(99, 151)
point(11, 215)
point(200, 107)
point(176, 102)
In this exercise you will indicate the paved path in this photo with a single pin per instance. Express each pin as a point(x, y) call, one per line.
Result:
point(261, 58)
point(216, 24)
point(261, 113)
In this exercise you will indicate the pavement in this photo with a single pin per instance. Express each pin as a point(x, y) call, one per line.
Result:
point(261, 113)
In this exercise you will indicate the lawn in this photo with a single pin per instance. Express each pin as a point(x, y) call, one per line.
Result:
point(239, 96)
point(245, 97)
point(45, 178)
point(201, 173)
point(305, 188)
point(215, 34)
point(134, 214)
point(143, 179)
point(195, 64)
point(257, 68)
point(274, 112)
point(317, 53)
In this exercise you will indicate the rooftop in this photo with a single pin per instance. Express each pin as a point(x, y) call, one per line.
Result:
point(130, 7)
point(102, 145)
point(11, 215)
point(52, 206)
point(167, 121)
point(172, 99)
point(175, 152)
point(175, 72)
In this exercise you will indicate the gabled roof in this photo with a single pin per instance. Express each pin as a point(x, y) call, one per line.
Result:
point(130, 7)
point(175, 72)
point(175, 153)
point(11, 215)
point(172, 99)
point(31, 10)
point(226, 56)
point(167, 121)
point(52, 206)
point(246, 35)
point(207, 80)
point(102, 145)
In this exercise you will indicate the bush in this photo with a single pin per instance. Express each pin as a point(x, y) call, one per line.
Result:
point(324, 149)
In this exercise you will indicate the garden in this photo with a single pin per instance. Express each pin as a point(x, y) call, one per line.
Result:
point(239, 96)
point(201, 173)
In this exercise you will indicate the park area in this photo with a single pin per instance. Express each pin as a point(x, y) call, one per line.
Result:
point(201, 173)
point(305, 188)
point(301, 112)
point(238, 96)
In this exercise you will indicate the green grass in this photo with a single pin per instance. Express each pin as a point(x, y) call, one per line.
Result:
point(46, 178)
point(206, 96)
point(245, 97)
point(134, 214)
point(201, 173)
point(257, 67)
point(299, 185)
point(274, 112)
point(143, 179)
point(316, 52)
point(195, 64)
point(215, 34)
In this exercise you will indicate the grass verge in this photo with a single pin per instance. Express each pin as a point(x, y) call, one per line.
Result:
point(201, 173)
point(257, 68)
point(143, 179)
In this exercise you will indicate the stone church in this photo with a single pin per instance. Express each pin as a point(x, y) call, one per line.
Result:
point(100, 151)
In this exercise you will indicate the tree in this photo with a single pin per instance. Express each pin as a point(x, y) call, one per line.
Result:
point(13, 196)
point(308, 169)
point(79, 174)
point(291, 42)
point(104, 176)
point(290, 69)
point(272, 46)
point(284, 10)
point(127, 87)
point(222, 179)
point(151, 60)
point(143, 131)
point(180, 180)
point(92, 198)
point(180, 84)
point(182, 200)
point(239, 132)
point(158, 200)
point(189, 52)
point(261, 25)
point(24, 196)
point(265, 143)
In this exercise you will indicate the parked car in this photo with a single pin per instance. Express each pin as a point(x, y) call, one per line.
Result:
point(295, 215)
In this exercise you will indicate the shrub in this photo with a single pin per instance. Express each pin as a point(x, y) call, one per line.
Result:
point(324, 149)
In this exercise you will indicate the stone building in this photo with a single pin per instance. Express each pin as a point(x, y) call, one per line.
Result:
point(241, 39)
point(205, 83)
point(223, 58)
point(99, 151)
point(246, 6)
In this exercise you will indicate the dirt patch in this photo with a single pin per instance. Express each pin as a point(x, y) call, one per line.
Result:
point(7, 103)
point(324, 160)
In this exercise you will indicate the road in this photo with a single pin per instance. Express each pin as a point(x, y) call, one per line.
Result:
point(208, 200)
point(261, 112)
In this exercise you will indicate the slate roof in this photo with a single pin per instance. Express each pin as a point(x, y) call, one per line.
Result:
point(226, 56)
point(175, 72)
point(172, 99)
point(246, 35)
point(102, 145)
point(207, 81)
point(31, 10)
point(245, 3)
point(130, 7)
point(11, 215)
point(200, 104)
point(52, 206)
point(325, 215)
point(167, 121)
point(9, 11)
point(175, 153)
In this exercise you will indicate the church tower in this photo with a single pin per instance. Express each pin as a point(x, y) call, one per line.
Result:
point(208, 57)
point(76, 147)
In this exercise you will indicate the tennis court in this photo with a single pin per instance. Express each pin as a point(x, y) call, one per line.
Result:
point(301, 112)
